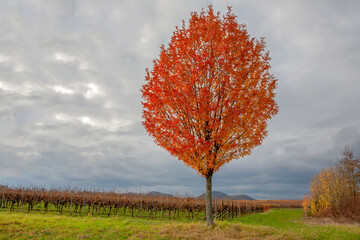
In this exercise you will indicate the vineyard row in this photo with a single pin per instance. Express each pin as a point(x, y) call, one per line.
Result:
point(115, 204)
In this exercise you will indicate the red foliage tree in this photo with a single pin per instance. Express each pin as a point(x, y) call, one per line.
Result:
point(209, 94)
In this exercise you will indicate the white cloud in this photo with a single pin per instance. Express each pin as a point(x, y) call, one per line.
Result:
point(28, 155)
point(25, 89)
point(4, 58)
point(63, 117)
point(87, 121)
point(92, 91)
point(19, 68)
point(111, 125)
point(63, 90)
point(63, 57)
point(4, 87)
point(146, 34)
point(84, 66)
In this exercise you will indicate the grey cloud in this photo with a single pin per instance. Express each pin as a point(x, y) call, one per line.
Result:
point(55, 129)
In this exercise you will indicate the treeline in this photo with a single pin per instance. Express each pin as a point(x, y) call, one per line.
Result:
point(101, 203)
point(334, 192)
point(284, 203)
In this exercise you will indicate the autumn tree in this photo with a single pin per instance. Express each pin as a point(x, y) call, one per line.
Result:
point(334, 192)
point(209, 95)
point(326, 191)
point(349, 169)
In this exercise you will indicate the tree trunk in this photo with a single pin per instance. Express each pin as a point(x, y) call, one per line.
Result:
point(209, 210)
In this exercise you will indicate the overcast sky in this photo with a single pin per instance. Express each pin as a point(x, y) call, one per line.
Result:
point(70, 79)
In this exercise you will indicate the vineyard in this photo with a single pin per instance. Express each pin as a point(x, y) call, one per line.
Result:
point(101, 203)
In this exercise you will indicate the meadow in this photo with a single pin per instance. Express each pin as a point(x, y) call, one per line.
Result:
point(273, 224)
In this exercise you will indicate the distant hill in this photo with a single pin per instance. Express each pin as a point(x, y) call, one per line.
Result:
point(159, 194)
point(216, 194)
point(221, 195)
point(241, 197)
point(150, 194)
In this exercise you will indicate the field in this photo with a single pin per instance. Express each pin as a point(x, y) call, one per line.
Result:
point(34, 213)
point(274, 224)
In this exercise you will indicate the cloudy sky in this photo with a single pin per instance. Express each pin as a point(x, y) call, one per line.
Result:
point(70, 79)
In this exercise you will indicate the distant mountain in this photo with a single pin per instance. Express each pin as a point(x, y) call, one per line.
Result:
point(215, 194)
point(221, 195)
point(241, 197)
point(158, 194)
point(150, 194)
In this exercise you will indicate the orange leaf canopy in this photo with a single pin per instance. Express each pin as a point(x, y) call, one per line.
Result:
point(210, 92)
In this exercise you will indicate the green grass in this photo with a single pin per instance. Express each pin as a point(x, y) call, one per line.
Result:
point(291, 220)
point(275, 224)
point(52, 210)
